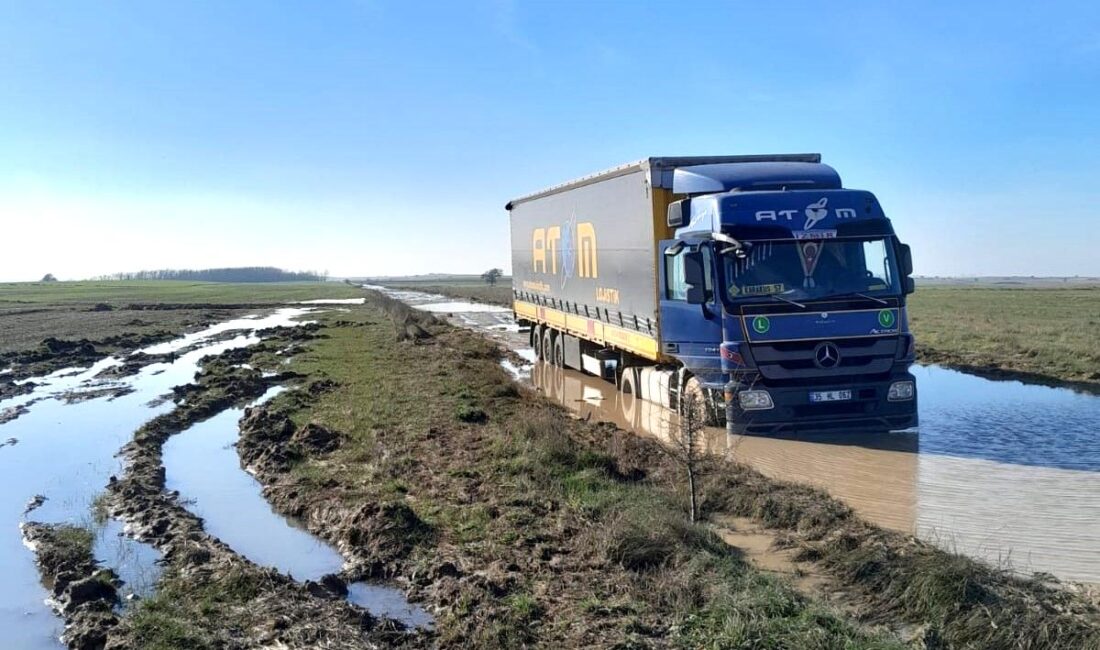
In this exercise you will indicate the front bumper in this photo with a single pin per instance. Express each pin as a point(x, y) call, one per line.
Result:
point(868, 410)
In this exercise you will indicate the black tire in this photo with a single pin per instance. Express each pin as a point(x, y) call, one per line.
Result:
point(559, 352)
point(628, 393)
point(548, 337)
point(536, 341)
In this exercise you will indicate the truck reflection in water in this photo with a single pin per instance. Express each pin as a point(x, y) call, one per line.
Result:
point(873, 473)
point(1000, 470)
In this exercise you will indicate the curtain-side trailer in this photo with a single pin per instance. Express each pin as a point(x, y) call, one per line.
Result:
point(666, 275)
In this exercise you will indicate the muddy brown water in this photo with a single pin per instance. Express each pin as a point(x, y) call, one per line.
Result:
point(999, 470)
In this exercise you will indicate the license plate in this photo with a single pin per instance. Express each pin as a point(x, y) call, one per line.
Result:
point(830, 395)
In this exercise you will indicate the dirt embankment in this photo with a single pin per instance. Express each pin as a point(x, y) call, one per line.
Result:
point(506, 523)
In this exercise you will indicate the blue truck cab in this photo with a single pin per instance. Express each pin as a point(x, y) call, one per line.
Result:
point(785, 292)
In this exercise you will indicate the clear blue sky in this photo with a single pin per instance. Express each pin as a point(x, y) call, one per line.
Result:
point(385, 137)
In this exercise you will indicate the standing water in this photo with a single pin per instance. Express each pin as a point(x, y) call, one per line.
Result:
point(1001, 470)
point(65, 452)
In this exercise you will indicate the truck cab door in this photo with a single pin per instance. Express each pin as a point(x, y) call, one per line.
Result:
point(691, 314)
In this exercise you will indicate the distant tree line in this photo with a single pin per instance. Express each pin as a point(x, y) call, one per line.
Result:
point(241, 274)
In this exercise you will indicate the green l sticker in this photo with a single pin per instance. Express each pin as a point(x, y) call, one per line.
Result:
point(761, 324)
point(886, 318)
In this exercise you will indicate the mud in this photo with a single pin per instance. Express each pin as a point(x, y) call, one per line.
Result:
point(10, 413)
point(374, 539)
point(82, 592)
point(54, 354)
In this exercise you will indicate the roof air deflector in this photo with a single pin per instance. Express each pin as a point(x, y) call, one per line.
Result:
point(747, 176)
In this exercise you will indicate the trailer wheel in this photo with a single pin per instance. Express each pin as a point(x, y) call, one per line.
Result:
point(548, 338)
point(559, 352)
point(536, 341)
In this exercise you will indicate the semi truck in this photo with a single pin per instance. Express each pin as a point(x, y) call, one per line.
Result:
point(757, 285)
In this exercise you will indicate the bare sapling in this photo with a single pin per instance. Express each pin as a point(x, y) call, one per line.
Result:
point(688, 447)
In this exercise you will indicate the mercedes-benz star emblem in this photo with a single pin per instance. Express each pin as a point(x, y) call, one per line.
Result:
point(826, 355)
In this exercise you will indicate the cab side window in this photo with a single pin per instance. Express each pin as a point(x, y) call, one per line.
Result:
point(675, 284)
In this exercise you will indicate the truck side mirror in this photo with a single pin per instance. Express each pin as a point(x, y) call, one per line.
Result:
point(910, 285)
point(905, 259)
point(679, 213)
point(695, 278)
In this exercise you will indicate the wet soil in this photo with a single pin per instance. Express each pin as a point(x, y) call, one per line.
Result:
point(281, 610)
point(82, 592)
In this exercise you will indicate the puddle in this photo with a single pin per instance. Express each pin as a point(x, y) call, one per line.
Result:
point(66, 452)
point(203, 465)
point(465, 307)
point(334, 301)
point(389, 602)
point(998, 469)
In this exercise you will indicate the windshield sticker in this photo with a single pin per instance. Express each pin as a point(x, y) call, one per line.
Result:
point(761, 324)
point(886, 318)
point(809, 252)
point(763, 289)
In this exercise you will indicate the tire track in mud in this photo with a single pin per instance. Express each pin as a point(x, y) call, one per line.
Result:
point(282, 609)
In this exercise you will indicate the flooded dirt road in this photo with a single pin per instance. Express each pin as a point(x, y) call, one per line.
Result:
point(999, 470)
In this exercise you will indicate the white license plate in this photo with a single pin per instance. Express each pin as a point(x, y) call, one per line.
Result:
point(830, 395)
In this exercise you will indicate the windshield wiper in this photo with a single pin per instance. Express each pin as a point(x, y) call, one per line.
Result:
point(788, 300)
point(861, 295)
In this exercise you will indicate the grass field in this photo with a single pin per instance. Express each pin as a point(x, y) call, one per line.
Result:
point(168, 291)
point(1046, 335)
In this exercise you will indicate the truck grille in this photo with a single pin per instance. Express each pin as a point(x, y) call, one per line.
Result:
point(795, 359)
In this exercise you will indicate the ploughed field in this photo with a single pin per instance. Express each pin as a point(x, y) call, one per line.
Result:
point(1041, 333)
point(124, 315)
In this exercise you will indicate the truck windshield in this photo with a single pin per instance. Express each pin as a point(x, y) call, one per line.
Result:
point(812, 269)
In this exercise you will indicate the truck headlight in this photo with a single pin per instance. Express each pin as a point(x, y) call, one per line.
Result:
point(755, 400)
point(901, 391)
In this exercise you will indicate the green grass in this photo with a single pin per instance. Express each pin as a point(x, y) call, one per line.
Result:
point(171, 291)
point(1045, 334)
